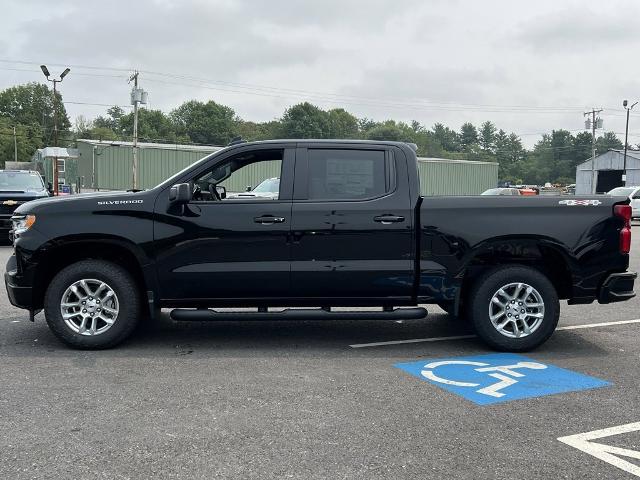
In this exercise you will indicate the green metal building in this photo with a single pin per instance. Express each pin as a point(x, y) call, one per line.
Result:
point(108, 166)
point(441, 176)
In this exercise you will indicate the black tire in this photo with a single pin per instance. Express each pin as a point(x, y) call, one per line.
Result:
point(481, 296)
point(120, 281)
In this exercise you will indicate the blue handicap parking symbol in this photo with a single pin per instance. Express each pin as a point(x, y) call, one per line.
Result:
point(499, 377)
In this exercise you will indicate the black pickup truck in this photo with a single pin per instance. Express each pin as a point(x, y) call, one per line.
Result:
point(18, 187)
point(348, 227)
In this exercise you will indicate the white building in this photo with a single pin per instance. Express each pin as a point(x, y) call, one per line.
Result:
point(608, 172)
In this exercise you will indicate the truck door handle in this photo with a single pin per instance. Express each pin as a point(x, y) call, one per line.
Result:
point(388, 219)
point(268, 220)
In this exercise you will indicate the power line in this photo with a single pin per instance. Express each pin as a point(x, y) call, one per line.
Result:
point(96, 104)
point(416, 107)
point(280, 92)
point(84, 74)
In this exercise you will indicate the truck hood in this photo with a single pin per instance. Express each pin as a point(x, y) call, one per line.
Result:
point(68, 201)
point(22, 195)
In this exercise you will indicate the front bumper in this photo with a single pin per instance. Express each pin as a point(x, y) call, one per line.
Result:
point(19, 295)
point(617, 287)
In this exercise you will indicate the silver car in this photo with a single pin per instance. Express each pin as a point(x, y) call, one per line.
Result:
point(501, 191)
point(268, 189)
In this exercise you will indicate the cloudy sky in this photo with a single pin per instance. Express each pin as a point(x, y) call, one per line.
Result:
point(529, 67)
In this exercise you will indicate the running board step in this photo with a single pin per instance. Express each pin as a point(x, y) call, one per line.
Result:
point(184, 315)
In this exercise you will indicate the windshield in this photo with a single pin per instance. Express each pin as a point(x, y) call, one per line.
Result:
point(21, 181)
point(271, 185)
point(621, 191)
point(491, 191)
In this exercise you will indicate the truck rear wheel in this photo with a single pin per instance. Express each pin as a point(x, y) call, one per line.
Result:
point(92, 304)
point(514, 308)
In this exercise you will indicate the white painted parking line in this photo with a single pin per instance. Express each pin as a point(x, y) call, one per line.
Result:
point(464, 337)
point(584, 442)
point(594, 325)
point(412, 340)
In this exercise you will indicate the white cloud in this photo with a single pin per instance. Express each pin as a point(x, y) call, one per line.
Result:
point(402, 59)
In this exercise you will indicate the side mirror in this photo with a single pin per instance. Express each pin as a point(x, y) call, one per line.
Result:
point(180, 193)
point(248, 189)
point(50, 188)
point(222, 191)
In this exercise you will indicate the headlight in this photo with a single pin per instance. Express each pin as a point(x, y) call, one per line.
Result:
point(22, 223)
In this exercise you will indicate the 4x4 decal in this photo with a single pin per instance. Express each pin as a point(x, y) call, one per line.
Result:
point(575, 203)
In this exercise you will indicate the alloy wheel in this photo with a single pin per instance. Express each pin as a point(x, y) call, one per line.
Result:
point(89, 307)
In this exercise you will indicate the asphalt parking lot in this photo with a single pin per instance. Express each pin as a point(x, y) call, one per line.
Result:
point(297, 400)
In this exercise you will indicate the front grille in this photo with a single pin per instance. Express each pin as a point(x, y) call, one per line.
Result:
point(5, 221)
point(10, 207)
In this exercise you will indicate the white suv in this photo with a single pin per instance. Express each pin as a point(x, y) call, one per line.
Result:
point(634, 195)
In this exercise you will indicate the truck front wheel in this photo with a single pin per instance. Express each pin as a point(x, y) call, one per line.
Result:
point(92, 304)
point(514, 308)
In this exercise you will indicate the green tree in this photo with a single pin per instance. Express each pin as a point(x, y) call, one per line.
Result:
point(28, 138)
point(468, 136)
point(153, 126)
point(515, 155)
point(427, 144)
point(391, 131)
point(553, 157)
point(103, 133)
point(582, 146)
point(446, 137)
point(501, 149)
point(33, 104)
point(487, 136)
point(252, 131)
point(113, 120)
point(365, 124)
point(342, 124)
point(82, 126)
point(609, 141)
point(564, 160)
point(206, 123)
point(305, 120)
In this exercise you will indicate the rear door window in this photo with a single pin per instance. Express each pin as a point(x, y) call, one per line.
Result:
point(336, 174)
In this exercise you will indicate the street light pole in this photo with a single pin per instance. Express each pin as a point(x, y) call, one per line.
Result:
point(626, 137)
point(55, 82)
point(15, 145)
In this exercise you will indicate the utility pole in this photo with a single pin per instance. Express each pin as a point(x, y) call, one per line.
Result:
point(594, 123)
point(138, 97)
point(45, 70)
point(135, 101)
point(626, 136)
point(15, 145)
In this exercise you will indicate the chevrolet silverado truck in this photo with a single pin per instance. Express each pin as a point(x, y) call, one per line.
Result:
point(348, 228)
point(18, 187)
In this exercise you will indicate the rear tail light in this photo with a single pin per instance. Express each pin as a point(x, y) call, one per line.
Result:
point(624, 212)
